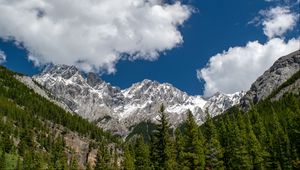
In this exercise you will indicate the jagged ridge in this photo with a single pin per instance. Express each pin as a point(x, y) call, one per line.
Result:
point(117, 110)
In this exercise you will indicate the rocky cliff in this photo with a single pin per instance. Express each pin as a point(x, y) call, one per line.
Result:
point(283, 69)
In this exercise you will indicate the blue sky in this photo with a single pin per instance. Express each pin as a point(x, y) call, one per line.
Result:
point(213, 27)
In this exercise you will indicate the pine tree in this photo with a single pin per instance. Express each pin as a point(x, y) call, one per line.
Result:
point(128, 159)
point(280, 145)
point(59, 157)
point(179, 148)
point(193, 147)
point(256, 152)
point(236, 151)
point(142, 154)
point(161, 151)
point(241, 155)
point(103, 158)
point(259, 127)
point(225, 136)
point(214, 151)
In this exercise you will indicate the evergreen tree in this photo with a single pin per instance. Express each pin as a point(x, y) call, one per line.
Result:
point(259, 127)
point(256, 152)
point(279, 145)
point(193, 147)
point(161, 150)
point(179, 147)
point(128, 159)
point(236, 150)
point(214, 151)
point(59, 157)
point(103, 158)
point(142, 154)
point(241, 154)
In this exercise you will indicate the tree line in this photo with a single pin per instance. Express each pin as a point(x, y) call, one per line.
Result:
point(266, 137)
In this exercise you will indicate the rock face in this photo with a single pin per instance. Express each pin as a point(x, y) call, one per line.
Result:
point(117, 110)
point(281, 71)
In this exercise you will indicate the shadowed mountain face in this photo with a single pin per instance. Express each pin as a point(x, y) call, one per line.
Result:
point(117, 110)
point(284, 68)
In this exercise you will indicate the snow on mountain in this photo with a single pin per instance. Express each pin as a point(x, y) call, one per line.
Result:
point(119, 110)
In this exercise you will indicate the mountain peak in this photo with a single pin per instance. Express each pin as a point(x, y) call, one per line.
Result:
point(93, 79)
point(117, 110)
point(62, 70)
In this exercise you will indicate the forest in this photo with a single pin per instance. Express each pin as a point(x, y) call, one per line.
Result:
point(265, 137)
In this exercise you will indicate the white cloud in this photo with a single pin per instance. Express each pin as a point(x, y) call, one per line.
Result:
point(92, 34)
point(2, 57)
point(278, 20)
point(238, 67)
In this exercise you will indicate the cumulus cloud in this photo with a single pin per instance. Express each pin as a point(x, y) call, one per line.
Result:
point(277, 21)
point(2, 57)
point(238, 67)
point(93, 34)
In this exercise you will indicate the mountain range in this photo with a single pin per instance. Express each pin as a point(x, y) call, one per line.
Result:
point(117, 110)
point(120, 110)
point(36, 132)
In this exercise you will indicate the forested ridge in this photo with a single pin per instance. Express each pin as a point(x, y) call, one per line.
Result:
point(266, 137)
point(29, 125)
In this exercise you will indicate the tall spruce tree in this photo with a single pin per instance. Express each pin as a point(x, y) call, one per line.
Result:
point(103, 160)
point(214, 151)
point(142, 154)
point(279, 145)
point(256, 152)
point(193, 147)
point(128, 163)
point(179, 148)
point(161, 150)
point(236, 150)
point(258, 127)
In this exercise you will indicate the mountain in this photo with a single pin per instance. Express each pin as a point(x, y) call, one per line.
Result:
point(283, 69)
point(36, 133)
point(118, 110)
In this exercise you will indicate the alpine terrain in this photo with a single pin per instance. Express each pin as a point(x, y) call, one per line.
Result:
point(118, 110)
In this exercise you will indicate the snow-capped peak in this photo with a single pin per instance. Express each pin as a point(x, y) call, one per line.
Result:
point(118, 110)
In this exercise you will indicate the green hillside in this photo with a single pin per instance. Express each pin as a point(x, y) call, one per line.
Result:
point(32, 129)
point(266, 137)
point(35, 134)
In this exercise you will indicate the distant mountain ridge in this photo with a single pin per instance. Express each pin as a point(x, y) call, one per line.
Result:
point(118, 110)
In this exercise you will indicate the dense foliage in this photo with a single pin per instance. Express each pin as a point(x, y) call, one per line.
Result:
point(266, 137)
point(32, 133)
point(30, 126)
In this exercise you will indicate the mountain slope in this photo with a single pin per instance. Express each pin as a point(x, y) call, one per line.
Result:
point(284, 68)
point(38, 134)
point(117, 110)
